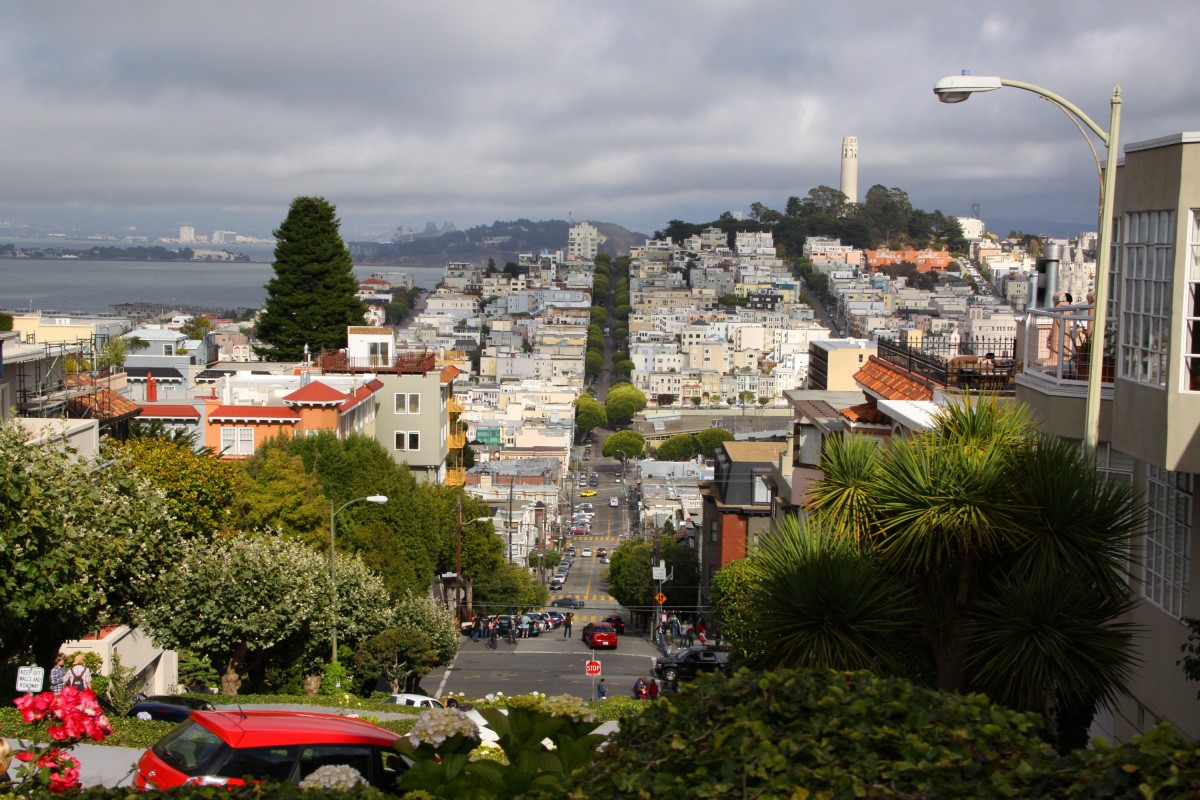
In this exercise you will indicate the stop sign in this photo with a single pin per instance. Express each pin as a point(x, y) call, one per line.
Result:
point(592, 668)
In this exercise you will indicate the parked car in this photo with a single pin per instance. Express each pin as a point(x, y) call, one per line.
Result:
point(557, 617)
point(594, 481)
point(567, 602)
point(617, 623)
point(599, 634)
point(687, 663)
point(587, 553)
point(586, 507)
point(601, 552)
point(168, 707)
point(414, 700)
point(226, 747)
point(556, 583)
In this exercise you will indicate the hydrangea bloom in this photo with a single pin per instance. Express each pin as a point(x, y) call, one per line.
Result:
point(436, 725)
point(340, 777)
point(569, 706)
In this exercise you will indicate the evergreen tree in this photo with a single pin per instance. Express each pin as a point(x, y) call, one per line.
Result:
point(311, 299)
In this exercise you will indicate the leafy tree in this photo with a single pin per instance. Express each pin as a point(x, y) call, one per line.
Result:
point(599, 315)
point(199, 489)
point(311, 300)
point(629, 444)
point(677, 448)
point(423, 636)
point(593, 363)
point(623, 369)
point(80, 545)
point(278, 493)
point(259, 591)
point(623, 401)
point(708, 439)
point(589, 414)
point(196, 327)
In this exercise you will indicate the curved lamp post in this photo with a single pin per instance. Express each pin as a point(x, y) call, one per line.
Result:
point(958, 88)
point(375, 498)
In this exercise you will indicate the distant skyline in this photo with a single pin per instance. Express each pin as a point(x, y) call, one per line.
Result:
point(151, 115)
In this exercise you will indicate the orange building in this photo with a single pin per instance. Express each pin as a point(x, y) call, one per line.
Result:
point(925, 260)
point(236, 431)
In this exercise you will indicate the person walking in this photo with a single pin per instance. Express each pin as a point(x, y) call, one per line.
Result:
point(601, 690)
point(493, 633)
point(567, 620)
point(58, 673)
point(79, 675)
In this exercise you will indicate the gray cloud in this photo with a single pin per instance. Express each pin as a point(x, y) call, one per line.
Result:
point(217, 114)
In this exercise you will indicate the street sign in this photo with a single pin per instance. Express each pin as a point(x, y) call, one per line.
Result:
point(29, 679)
point(660, 598)
point(658, 573)
point(592, 669)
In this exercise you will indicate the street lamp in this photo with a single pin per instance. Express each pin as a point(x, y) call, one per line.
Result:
point(378, 499)
point(957, 88)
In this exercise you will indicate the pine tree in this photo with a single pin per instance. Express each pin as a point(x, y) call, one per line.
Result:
point(311, 299)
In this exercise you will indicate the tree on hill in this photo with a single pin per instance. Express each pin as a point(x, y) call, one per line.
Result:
point(707, 440)
point(589, 414)
point(677, 448)
point(623, 401)
point(628, 444)
point(311, 300)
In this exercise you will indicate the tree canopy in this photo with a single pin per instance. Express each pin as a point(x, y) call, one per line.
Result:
point(311, 300)
point(629, 444)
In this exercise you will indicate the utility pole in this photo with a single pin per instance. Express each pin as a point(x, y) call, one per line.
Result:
point(510, 517)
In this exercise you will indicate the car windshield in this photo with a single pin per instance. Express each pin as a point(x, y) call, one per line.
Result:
point(603, 627)
point(190, 748)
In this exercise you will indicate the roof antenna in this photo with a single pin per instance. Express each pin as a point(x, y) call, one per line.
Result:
point(241, 711)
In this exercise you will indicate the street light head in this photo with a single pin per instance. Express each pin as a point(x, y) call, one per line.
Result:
point(377, 499)
point(956, 88)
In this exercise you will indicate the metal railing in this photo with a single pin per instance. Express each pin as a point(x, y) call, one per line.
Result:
point(1057, 346)
point(976, 364)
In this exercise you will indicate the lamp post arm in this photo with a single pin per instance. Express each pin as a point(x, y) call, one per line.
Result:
point(1066, 104)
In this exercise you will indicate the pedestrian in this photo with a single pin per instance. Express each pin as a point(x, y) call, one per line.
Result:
point(79, 675)
point(639, 689)
point(601, 690)
point(475, 628)
point(652, 690)
point(493, 632)
point(5, 760)
point(58, 673)
point(567, 620)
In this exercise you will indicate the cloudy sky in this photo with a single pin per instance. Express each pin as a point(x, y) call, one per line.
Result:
point(151, 115)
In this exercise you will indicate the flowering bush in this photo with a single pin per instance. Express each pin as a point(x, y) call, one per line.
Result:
point(68, 718)
point(542, 740)
point(340, 777)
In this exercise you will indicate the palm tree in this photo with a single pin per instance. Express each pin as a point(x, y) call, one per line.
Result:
point(823, 603)
point(1016, 544)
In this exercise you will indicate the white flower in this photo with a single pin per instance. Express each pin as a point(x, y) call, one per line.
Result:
point(569, 706)
point(436, 725)
point(340, 777)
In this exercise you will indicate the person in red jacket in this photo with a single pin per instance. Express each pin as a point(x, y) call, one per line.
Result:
point(653, 689)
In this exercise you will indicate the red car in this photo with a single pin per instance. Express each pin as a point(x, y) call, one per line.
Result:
point(232, 747)
point(600, 634)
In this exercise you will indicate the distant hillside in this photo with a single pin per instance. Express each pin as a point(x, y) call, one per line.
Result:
point(501, 241)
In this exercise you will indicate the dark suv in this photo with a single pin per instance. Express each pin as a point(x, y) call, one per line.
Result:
point(689, 662)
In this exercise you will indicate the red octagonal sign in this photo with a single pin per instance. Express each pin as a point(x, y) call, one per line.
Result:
point(592, 668)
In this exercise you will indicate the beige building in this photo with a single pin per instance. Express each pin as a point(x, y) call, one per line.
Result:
point(833, 362)
point(1150, 407)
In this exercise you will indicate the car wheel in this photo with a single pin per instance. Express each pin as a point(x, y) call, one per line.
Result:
point(671, 675)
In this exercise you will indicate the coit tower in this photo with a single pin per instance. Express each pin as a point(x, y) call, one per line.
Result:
point(850, 168)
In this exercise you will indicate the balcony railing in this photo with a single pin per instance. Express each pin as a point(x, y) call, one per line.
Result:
point(456, 441)
point(1056, 349)
point(976, 364)
point(455, 405)
point(456, 476)
point(402, 364)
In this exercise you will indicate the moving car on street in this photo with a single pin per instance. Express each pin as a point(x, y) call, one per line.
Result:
point(599, 634)
point(567, 602)
point(689, 662)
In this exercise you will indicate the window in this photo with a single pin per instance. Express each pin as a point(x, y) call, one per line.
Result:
point(408, 403)
point(168, 350)
point(408, 440)
point(378, 352)
point(1192, 309)
point(1168, 537)
point(1147, 262)
point(237, 441)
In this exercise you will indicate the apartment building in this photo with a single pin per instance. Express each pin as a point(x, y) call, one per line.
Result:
point(1149, 408)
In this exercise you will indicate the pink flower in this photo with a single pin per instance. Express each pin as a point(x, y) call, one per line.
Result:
point(33, 707)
